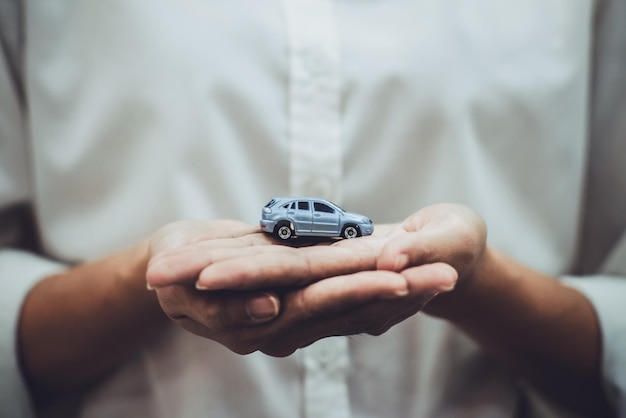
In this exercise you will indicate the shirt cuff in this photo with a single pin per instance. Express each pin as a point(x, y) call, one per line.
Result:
point(608, 296)
point(19, 271)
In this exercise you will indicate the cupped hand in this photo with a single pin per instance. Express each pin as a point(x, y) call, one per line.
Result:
point(178, 253)
point(229, 282)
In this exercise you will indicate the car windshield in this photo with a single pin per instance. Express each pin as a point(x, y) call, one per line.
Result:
point(340, 208)
point(270, 203)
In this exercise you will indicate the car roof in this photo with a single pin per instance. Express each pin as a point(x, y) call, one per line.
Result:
point(283, 200)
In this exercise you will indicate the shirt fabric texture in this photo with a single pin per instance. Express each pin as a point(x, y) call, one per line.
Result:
point(118, 117)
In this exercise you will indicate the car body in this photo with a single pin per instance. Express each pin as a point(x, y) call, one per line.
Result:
point(287, 217)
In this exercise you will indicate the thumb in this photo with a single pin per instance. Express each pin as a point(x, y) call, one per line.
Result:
point(404, 251)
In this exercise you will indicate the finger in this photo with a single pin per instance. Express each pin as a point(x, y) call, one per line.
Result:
point(313, 306)
point(239, 334)
point(318, 310)
point(413, 248)
point(226, 229)
point(342, 293)
point(219, 312)
point(247, 239)
point(458, 247)
point(284, 266)
point(450, 233)
point(425, 283)
point(374, 317)
point(179, 233)
point(431, 278)
point(366, 302)
point(183, 264)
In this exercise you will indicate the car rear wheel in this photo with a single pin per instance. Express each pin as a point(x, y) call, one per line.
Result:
point(283, 231)
point(350, 231)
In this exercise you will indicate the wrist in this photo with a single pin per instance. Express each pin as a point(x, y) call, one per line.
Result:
point(471, 292)
point(132, 278)
point(82, 322)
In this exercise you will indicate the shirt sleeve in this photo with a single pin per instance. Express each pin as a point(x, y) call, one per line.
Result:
point(602, 258)
point(19, 268)
point(608, 295)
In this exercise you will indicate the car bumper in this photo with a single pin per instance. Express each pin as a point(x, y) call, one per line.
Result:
point(267, 226)
point(367, 229)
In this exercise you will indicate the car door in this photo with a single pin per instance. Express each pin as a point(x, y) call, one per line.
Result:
point(325, 219)
point(301, 216)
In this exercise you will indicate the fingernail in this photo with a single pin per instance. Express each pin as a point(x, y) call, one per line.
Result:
point(149, 287)
point(399, 292)
point(402, 260)
point(262, 307)
point(447, 287)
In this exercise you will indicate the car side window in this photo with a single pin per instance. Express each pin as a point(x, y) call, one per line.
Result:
point(303, 205)
point(321, 207)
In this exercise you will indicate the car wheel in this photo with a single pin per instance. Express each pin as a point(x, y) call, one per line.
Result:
point(283, 231)
point(350, 231)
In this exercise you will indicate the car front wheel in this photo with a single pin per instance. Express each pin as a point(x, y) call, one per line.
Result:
point(350, 231)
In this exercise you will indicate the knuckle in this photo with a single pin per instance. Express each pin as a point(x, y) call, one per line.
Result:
point(170, 302)
point(307, 308)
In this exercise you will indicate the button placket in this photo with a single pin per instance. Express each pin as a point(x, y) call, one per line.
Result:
point(314, 99)
point(315, 170)
point(326, 365)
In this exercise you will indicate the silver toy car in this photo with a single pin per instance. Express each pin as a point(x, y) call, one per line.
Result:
point(287, 217)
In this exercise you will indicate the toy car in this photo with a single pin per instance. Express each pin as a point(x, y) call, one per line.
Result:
point(287, 217)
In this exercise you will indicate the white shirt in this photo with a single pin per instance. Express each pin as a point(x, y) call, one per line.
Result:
point(144, 112)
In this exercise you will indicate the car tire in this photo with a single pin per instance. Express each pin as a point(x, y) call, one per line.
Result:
point(283, 231)
point(350, 231)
